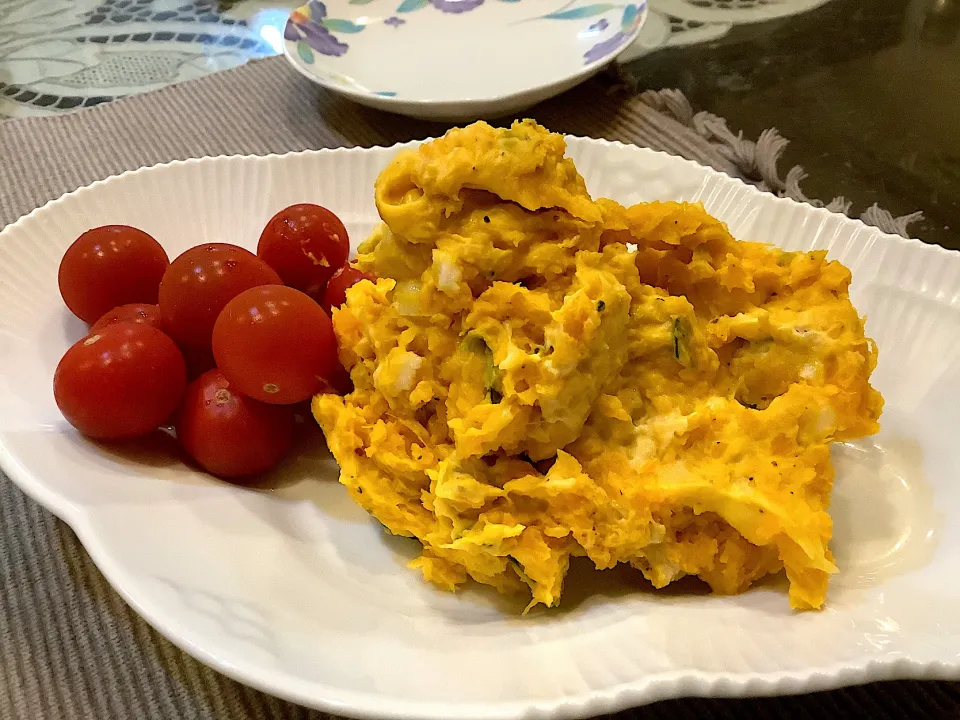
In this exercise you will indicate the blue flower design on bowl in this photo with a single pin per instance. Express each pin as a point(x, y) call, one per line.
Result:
point(454, 7)
point(394, 21)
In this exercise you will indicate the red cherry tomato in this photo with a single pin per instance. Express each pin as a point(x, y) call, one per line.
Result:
point(134, 312)
point(199, 360)
point(122, 382)
point(275, 344)
point(228, 434)
point(110, 266)
point(344, 278)
point(338, 381)
point(305, 244)
point(198, 285)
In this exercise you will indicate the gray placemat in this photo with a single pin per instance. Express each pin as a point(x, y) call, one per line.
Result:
point(69, 646)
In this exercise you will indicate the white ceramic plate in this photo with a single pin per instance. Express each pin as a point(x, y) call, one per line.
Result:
point(457, 59)
point(297, 591)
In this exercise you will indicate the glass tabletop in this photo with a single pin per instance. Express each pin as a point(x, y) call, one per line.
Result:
point(868, 93)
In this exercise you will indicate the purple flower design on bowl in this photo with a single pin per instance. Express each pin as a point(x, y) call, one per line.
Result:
point(304, 24)
point(605, 47)
point(599, 26)
point(394, 21)
point(632, 15)
point(456, 6)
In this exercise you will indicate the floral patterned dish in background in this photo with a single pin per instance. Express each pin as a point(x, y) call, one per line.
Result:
point(457, 59)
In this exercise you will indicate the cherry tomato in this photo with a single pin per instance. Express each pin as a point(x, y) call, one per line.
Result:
point(228, 434)
point(275, 344)
point(198, 285)
point(122, 382)
point(338, 381)
point(306, 244)
point(199, 360)
point(336, 293)
point(110, 266)
point(134, 312)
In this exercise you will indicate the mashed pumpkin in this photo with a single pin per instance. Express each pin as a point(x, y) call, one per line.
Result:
point(540, 375)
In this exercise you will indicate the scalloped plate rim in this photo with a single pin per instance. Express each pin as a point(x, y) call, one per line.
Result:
point(651, 688)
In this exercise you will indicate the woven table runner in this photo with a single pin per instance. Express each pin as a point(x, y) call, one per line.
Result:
point(69, 646)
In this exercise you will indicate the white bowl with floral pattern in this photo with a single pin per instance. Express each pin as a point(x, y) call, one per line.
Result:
point(457, 59)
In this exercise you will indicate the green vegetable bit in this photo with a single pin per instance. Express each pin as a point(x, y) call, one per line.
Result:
point(491, 373)
point(682, 332)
